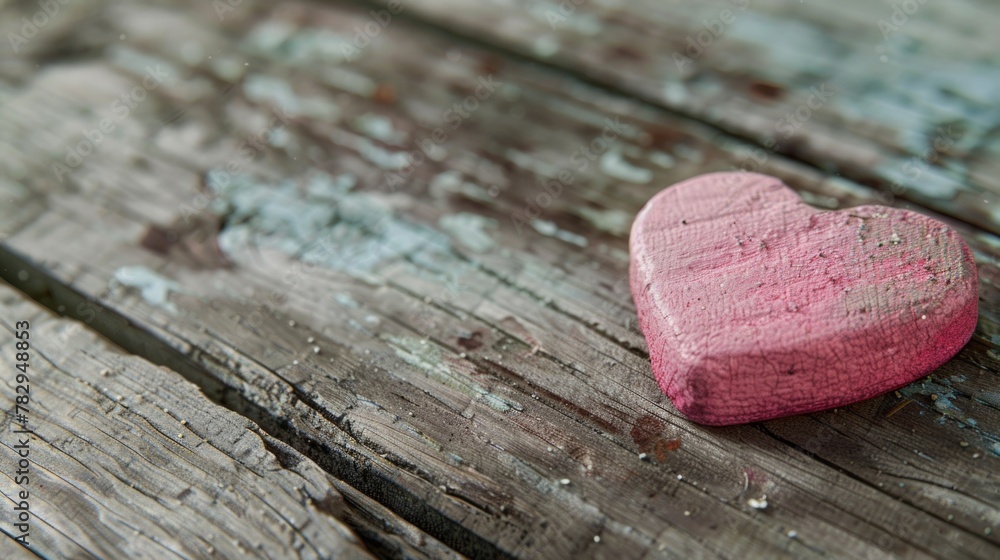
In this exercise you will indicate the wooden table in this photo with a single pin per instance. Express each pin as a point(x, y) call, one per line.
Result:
point(340, 279)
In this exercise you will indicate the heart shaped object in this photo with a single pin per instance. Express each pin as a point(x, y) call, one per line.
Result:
point(756, 306)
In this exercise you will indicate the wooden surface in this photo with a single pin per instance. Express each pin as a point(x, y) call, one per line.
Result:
point(130, 460)
point(453, 343)
point(896, 94)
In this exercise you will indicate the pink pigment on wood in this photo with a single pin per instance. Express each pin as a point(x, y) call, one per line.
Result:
point(756, 306)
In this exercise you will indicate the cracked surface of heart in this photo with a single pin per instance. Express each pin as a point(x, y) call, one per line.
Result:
point(755, 305)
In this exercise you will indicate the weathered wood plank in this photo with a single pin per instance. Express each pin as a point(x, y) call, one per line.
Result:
point(128, 460)
point(554, 381)
point(11, 549)
point(895, 94)
point(385, 534)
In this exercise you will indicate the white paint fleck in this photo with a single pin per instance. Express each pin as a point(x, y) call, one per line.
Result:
point(510, 92)
point(615, 222)
point(278, 92)
point(378, 127)
point(545, 46)
point(192, 53)
point(689, 153)
point(550, 229)
point(332, 189)
point(154, 288)
point(137, 62)
point(227, 68)
point(662, 159)
point(758, 503)
point(269, 35)
point(469, 230)
point(346, 300)
point(614, 165)
point(348, 80)
point(675, 93)
point(279, 138)
point(388, 160)
point(445, 183)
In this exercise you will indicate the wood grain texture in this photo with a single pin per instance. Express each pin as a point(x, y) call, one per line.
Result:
point(129, 460)
point(896, 94)
point(477, 342)
point(756, 306)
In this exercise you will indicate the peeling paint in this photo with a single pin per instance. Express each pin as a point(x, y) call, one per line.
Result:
point(378, 127)
point(614, 165)
point(942, 394)
point(615, 222)
point(384, 159)
point(278, 92)
point(139, 62)
point(269, 35)
point(545, 46)
point(347, 80)
point(285, 42)
point(346, 300)
point(319, 220)
point(662, 159)
point(550, 229)
point(674, 93)
point(154, 288)
point(229, 69)
point(469, 230)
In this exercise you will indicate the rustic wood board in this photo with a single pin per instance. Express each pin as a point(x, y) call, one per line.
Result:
point(898, 94)
point(469, 361)
point(130, 460)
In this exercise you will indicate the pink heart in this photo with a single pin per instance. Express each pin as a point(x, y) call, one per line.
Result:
point(756, 306)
